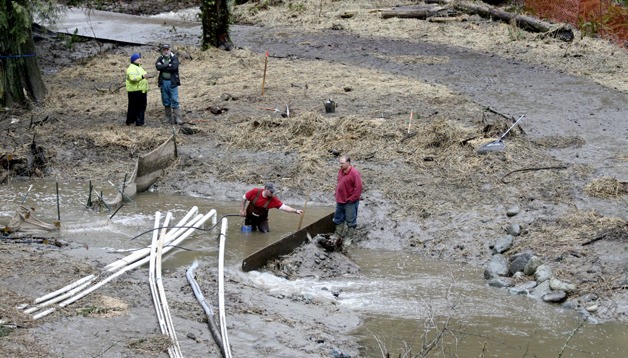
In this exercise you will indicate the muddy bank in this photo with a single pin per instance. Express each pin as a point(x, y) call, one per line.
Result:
point(427, 192)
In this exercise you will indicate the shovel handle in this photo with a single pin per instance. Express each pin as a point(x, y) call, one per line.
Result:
point(303, 214)
point(511, 127)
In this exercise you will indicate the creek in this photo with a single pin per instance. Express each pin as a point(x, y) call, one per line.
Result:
point(398, 296)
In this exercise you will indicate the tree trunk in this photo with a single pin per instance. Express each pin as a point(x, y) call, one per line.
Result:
point(525, 22)
point(215, 21)
point(21, 82)
point(415, 12)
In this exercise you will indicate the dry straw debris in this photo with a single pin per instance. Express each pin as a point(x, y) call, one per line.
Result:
point(606, 188)
point(104, 306)
point(366, 20)
point(131, 137)
point(151, 345)
point(568, 241)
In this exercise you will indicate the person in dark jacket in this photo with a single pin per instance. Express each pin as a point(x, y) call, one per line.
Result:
point(168, 66)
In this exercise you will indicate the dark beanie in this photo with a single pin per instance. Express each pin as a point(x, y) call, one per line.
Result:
point(135, 56)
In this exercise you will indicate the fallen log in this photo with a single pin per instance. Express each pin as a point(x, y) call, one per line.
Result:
point(441, 2)
point(563, 32)
point(420, 12)
point(461, 18)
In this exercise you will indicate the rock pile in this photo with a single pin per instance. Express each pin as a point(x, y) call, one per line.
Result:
point(526, 273)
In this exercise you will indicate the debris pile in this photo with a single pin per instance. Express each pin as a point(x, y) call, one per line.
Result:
point(311, 259)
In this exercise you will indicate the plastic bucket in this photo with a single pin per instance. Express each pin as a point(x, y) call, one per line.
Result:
point(330, 106)
point(247, 228)
point(496, 146)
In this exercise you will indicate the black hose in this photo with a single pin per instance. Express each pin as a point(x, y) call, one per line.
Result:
point(183, 227)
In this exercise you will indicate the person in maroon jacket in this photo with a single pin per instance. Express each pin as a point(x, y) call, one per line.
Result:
point(348, 193)
point(260, 201)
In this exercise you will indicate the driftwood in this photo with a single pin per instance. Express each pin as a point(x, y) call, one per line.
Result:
point(510, 118)
point(35, 123)
point(562, 31)
point(597, 238)
point(493, 110)
point(461, 18)
point(616, 233)
point(420, 12)
point(529, 170)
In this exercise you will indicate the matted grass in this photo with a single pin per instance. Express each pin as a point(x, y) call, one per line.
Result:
point(570, 240)
point(494, 37)
point(606, 188)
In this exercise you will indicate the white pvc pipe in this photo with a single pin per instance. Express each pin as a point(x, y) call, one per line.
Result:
point(176, 349)
point(151, 275)
point(221, 289)
point(74, 291)
point(64, 289)
point(214, 221)
point(145, 251)
point(128, 268)
point(60, 297)
point(173, 234)
point(44, 313)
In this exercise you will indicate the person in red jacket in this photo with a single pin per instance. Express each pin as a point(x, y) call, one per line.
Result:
point(348, 193)
point(261, 200)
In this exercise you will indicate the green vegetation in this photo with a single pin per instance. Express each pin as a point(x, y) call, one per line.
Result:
point(296, 7)
point(5, 331)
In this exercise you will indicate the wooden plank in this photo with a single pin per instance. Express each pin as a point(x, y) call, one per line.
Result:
point(287, 244)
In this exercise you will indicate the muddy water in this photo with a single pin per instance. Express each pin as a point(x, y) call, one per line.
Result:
point(130, 227)
point(397, 295)
point(400, 295)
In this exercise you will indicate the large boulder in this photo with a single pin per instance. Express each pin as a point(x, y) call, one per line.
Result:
point(496, 266)
point(517, 262)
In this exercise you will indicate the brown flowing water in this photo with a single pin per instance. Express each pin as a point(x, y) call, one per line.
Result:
point(398, 296)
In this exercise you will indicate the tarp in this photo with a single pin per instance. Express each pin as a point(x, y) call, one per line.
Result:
point(24, 220)
point(148, 168)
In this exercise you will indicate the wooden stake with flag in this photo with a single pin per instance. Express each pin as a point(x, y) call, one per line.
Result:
point(265, 66)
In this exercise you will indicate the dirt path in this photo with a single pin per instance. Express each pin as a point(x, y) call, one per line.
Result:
point(427, 191)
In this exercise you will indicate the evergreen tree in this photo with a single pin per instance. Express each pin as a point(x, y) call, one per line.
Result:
point(215, 21)
point(21, 82)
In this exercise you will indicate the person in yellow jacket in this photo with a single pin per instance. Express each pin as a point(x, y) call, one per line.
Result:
point(137, 89)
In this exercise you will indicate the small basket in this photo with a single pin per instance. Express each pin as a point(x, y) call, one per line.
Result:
point(247, 228)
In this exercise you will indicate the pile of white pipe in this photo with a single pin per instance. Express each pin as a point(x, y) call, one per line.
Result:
point(221, 289)
point(86, 285)
point(157, 287)
point(221, 338)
